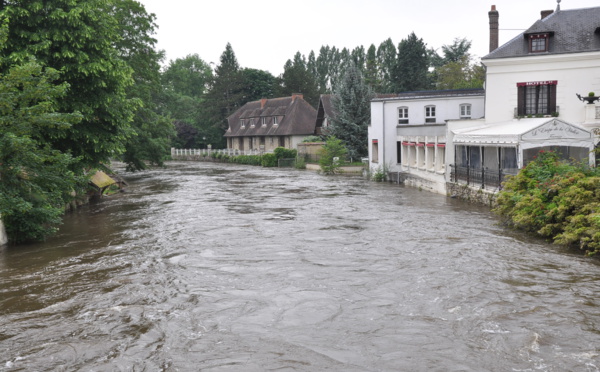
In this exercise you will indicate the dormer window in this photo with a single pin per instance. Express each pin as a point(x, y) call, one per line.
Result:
point(242, 123)
point(538, 43)
point(264, 121)
point(275, 121)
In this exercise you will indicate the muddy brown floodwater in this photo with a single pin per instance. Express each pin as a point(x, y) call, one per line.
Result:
point(210, 267)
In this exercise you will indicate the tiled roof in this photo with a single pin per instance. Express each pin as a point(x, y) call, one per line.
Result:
point(571, 31)
point(294, 117)
point(430, 94)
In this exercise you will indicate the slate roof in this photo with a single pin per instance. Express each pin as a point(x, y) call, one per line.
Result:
point(295, 116)
point(571, 31)
point(430, 94)
point(325, 109)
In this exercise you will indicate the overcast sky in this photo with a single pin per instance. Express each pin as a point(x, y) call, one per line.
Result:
point(264, 34)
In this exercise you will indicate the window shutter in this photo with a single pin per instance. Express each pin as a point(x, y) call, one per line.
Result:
point(552, 99)
point(521, 101)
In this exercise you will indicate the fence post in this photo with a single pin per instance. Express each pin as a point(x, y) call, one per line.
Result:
point(483, 177)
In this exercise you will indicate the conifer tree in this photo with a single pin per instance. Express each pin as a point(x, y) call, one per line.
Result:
point(411, 72)
point(351, 103)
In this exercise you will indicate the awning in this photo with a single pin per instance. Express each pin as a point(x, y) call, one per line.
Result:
point(534, 132)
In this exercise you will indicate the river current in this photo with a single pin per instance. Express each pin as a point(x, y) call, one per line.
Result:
point(219, 267)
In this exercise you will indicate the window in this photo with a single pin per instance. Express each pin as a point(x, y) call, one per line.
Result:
point(465, 111)
point(538, 43)
point(375, 152)
point(403, 115)
point(399, 152)
point(275, 121)
point(242, 123)
point(264, 121)
point(430, 114)
point(536, 98)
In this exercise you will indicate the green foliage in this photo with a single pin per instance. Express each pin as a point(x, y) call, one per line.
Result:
point(309, 139)
point(246, 159)
point(412, 70)
point(300, 163)
point(36, 180)
point(81, 39)
point(297, 78)
point(380, 174)
point(352, 105)
point(153, 130)
point(555, 200)
point(283, 153)
point(268, 160)
point(331, 154)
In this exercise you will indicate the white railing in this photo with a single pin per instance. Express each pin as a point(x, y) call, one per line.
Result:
point(199, 154)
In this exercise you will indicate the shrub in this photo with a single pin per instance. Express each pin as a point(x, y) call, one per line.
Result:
point(330, 155)
point(555, 200)
point(269, 160)
point(283, 153)
point(300, 163)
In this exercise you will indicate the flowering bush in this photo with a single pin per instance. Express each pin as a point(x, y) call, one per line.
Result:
point(556, 200)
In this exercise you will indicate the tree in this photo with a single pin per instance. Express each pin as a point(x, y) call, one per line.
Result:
point(353, 112)
point(36, 179)
point(189, 76)
point(257, 84)
point(371, 69)
point(79, 39)
point(153, 130)
point(411, 72)
point(225, 94)
point(386, 60)
point(297, 78)
point(330, 155)
point(460, 75)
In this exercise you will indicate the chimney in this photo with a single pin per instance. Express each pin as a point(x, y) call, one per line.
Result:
point(297, 95)
point(546, 13)
point(493, 28)
point(263, 102)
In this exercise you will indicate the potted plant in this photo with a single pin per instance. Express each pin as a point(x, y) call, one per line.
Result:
point(590, 99)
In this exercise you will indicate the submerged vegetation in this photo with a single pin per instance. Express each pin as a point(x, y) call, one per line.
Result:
point(556, 200)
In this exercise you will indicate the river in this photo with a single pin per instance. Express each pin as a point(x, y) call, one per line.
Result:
point(220, 267)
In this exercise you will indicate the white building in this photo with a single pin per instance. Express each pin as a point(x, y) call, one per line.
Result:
point(532, 103)
point(407, 136)
point(535, 85)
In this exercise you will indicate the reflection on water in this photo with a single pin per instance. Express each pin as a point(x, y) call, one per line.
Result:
point(215, 267)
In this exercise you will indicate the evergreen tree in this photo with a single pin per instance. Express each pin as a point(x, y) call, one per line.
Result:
point(351, 103)
point(411, 72)
point(257, 84)
point(225, 95)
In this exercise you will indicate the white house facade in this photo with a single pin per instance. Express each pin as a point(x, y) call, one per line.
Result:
point(407, 135)
point(534, 87)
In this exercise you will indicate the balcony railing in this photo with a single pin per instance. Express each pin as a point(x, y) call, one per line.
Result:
point(480, 177)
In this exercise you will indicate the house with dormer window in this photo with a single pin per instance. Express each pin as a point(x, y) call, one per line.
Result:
point(266, 124)
point(534, 85)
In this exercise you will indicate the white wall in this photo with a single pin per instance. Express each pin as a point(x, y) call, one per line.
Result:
point(3, 236)
point(384, 122)
point(575, 73)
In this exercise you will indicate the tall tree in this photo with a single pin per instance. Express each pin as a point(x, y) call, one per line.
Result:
point(411, 72)
point(153, 130)
point(225, 94)
point(189, 76)
point(371, 69)
point(297, 78)
point(387, 59)
point(77, 38)
point(353, 112)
